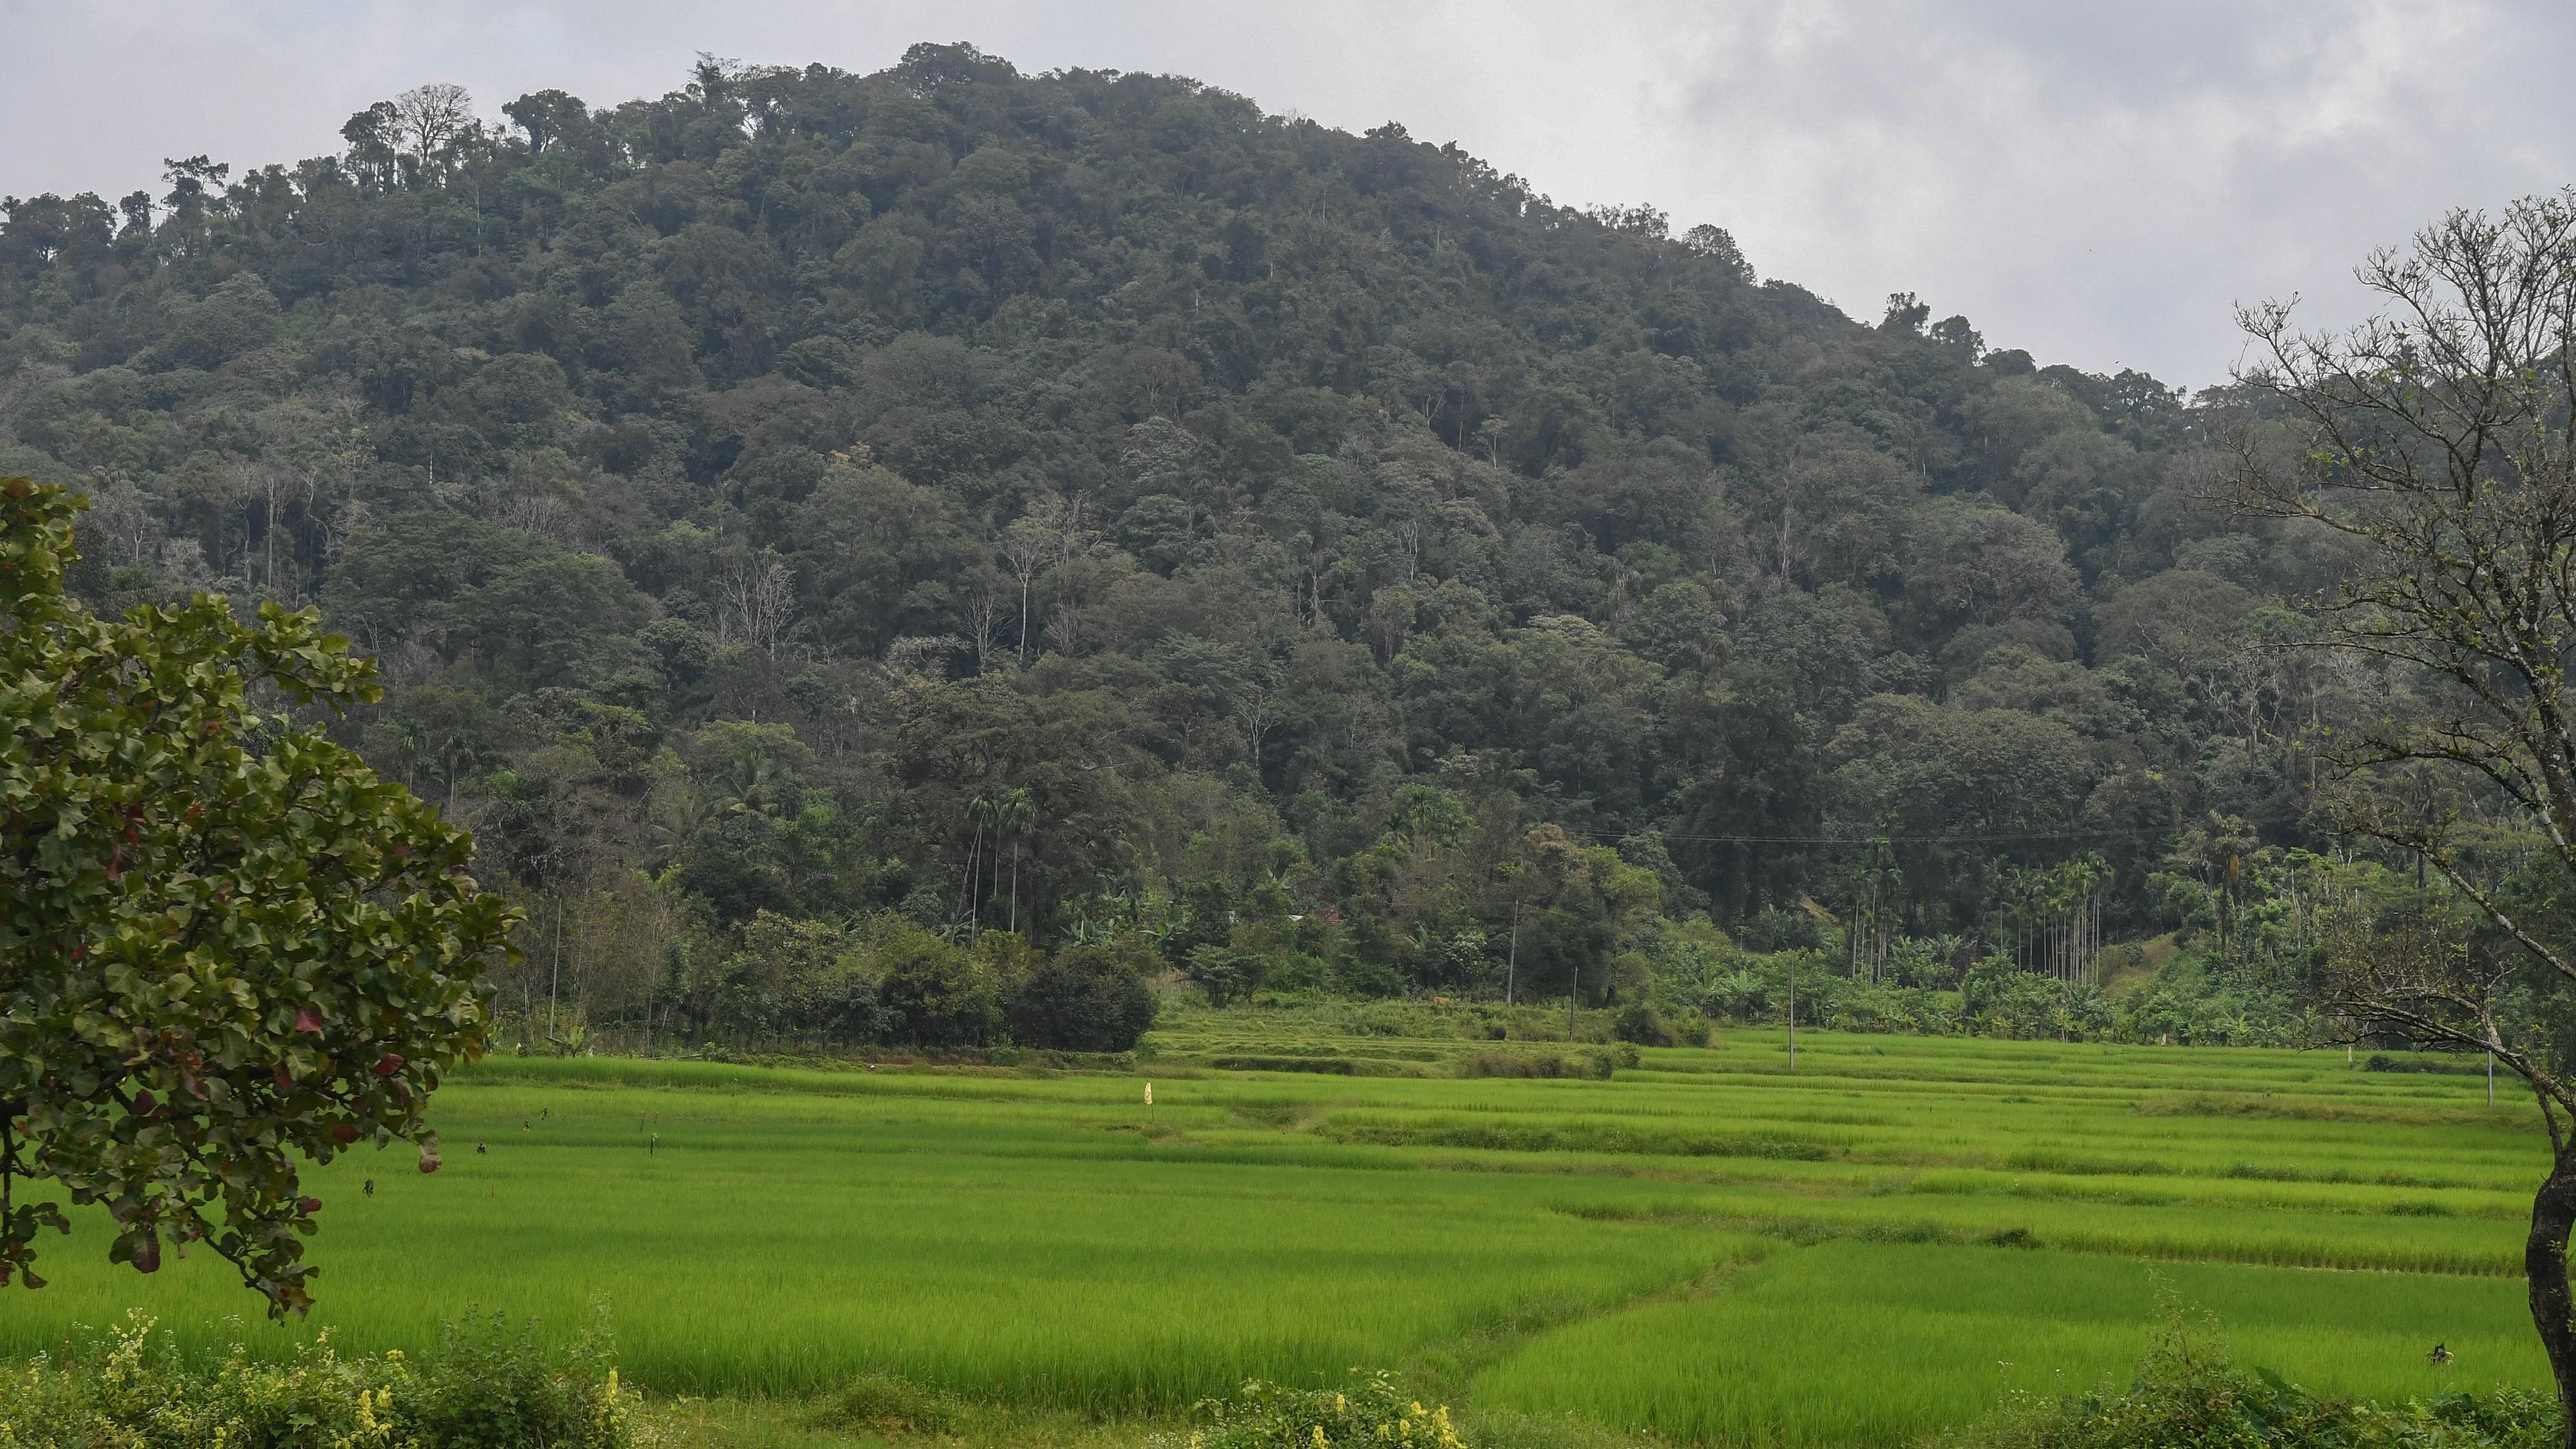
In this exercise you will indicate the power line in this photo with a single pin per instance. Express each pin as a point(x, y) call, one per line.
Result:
point(2084, 835)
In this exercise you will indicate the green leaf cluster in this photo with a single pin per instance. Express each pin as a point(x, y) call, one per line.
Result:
point(225, 943)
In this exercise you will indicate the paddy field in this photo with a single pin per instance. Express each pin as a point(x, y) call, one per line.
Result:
point(1707, 1247)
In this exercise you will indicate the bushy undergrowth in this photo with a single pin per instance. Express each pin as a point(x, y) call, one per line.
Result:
point(2189, 1394)
point(1527, 1063)
point(1371, 1410)
point(880, 1403)
point(132, 1388)
point(1641, 1025)
point(2184, 1004)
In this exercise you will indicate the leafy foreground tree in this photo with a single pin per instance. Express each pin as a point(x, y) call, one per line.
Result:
point(223, 940)
point(2437, 436)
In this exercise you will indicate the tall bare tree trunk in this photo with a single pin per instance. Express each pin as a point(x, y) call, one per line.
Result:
point(1024, 620)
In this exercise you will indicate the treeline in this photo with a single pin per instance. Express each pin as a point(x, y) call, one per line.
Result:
point(904, 507)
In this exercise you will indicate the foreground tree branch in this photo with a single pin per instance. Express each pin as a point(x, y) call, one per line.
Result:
point(2437, 436)
point(224, 942)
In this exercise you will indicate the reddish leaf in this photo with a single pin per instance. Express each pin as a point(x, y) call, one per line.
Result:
point(308, 1205)
point(308, 1019)
point(388, 1064)
point(345, 1133)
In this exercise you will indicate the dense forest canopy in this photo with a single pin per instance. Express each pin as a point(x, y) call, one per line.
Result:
point(1085, 505)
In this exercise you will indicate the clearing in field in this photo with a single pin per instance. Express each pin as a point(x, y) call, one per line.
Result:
point(1706, 1247)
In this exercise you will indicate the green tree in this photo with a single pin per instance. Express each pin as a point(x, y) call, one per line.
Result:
point(1086, 999)
point(1383, 466)
point(226, 941)
point(935, 995)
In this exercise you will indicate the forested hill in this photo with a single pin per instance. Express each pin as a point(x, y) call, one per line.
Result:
point(1086, 502)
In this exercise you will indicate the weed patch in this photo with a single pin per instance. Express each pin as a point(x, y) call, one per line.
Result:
point(882, 1403)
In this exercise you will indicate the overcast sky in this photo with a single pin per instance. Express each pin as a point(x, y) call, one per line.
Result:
point(2092, 180)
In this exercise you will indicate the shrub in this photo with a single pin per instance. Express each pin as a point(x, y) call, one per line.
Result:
point(1085, 999)
point(811, 976)
point(2188, 1395)
point(1595, 1065)
point(1225, 974)
point(1642, 1025)
point(1208, 908)
point(843, 1010)
point(1371, 1411)
point(2382, 1062)
point(934, 995)
point(887, 1404)
point(1320, 1066)
point(489, 1387)
point(485, 1389)
point(1777, 929)
point(1357, 976)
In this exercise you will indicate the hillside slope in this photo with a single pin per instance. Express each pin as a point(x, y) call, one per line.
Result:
point(1085, 500)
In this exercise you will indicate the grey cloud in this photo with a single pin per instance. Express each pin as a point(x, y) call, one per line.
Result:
point(2094, 182)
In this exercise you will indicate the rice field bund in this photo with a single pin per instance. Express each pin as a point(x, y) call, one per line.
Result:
point(1706, 1247)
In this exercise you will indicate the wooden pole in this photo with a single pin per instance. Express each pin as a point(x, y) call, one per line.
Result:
point(554, 984)
point(1793, 1012)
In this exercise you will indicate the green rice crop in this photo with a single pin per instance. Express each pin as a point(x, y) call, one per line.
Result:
point(1868, 1343)
point(1727, 1250)
point(786, 1242)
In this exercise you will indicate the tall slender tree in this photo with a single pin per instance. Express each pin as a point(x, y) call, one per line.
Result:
point(981, 811)
point(1015, 815)
point(2436, 437)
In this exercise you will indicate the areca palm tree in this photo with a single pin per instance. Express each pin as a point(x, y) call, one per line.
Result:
point(981, 810)
point(1017, 816)
point(415, 743)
